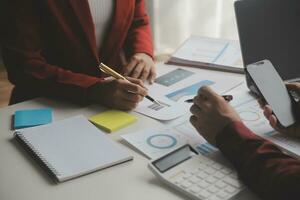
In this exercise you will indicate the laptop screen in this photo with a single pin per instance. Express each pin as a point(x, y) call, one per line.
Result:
point(270, 29)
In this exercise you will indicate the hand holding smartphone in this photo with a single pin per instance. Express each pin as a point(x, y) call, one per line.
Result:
point(271, 87)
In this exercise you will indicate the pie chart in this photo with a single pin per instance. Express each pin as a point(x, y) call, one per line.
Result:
point(161, 141)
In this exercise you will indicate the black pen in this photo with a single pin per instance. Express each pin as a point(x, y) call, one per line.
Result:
point(226, 97)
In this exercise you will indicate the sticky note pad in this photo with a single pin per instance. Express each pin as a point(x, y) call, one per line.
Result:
point(112, 120)
point(29, 118)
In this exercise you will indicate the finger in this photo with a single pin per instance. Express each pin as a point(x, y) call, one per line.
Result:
point(273, 121)
point(129, 68)
point(208, 93)
point(196, 123)
point(124, 104)
point(137, 71)
point(262, 103)
point(193, 120)
point(195, 110)
point(274, 124)
point(136, 81)
point(132, 87)
point(268, 111)
point(132, 97)
point(293, 86)
point(152, 75)
point(145, 73)
point(203, 104)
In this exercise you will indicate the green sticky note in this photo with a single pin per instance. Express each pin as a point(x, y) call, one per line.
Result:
point(112, 120)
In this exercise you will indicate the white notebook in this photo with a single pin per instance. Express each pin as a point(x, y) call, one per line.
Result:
point(72, 147)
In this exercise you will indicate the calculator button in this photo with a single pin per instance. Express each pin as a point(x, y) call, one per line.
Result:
point(194, 189)
point(226, 171)
point(222, 194)
point(178, 181)
point(211, 179)
point(186, 176)
point(203, 194)
point(214, 197)
point(194, 172)
point(232, 182)
point(219, 175)
point(201, 166)
point(185, 184)
point(217, 166)
point(213, 189)
point(209, 162)
point(210, 170)
point(194, 179)
point(203, 184)
point(230, 189)
point(202, 175)
point(221, 184)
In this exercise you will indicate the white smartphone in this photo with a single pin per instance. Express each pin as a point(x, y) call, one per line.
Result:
point(272, 88)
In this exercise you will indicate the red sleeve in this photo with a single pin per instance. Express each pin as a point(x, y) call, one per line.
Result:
point(263, 167)
point(139, 38)
point(23, 56)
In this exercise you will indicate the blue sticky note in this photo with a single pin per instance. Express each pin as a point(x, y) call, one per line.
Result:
point(29, 118)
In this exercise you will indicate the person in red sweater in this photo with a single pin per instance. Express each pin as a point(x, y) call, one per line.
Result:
point(263, 167)
point(52, 48)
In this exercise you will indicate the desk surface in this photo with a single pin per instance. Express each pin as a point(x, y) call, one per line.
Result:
point(22, 178)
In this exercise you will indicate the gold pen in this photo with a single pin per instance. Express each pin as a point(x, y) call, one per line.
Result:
point(107, 70)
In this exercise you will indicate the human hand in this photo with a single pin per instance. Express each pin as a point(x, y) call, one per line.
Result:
point(141, 66)
point(211, 114)
point(293, 130)
point(118, 93)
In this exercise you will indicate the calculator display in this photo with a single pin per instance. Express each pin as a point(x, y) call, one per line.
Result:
point(174, 158)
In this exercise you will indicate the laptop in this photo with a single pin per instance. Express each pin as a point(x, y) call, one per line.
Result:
point(270, 29)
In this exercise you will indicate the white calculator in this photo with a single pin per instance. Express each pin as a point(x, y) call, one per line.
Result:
point(195, 175)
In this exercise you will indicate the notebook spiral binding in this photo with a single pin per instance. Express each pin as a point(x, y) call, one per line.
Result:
point(36, 153)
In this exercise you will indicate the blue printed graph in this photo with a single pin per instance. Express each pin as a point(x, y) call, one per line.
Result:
point(206, 148)
point(161, 141)
point(188, 91)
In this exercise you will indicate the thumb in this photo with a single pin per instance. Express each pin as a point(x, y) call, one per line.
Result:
point(208, 93)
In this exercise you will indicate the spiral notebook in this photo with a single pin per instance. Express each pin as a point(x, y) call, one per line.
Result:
point(71, 148)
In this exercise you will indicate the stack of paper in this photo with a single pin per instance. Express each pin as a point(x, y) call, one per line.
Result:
point(209, 53)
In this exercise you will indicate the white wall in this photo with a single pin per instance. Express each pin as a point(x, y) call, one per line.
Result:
point(175, 20)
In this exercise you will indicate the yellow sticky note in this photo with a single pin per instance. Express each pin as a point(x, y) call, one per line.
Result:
point(112, 120)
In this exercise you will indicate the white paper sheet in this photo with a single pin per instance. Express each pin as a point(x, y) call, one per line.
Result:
point(154, 143)
point(210, 50)
point(166, 110)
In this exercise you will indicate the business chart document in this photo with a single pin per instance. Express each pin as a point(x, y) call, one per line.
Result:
point(174, 85)
point(210, 53)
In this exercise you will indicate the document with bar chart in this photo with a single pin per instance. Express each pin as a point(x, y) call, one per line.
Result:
point(174, 85)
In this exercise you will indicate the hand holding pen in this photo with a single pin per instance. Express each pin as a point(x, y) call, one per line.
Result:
point(115, 93)
point(107, 70)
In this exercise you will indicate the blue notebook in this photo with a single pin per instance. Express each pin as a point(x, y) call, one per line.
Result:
point(29, 118)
